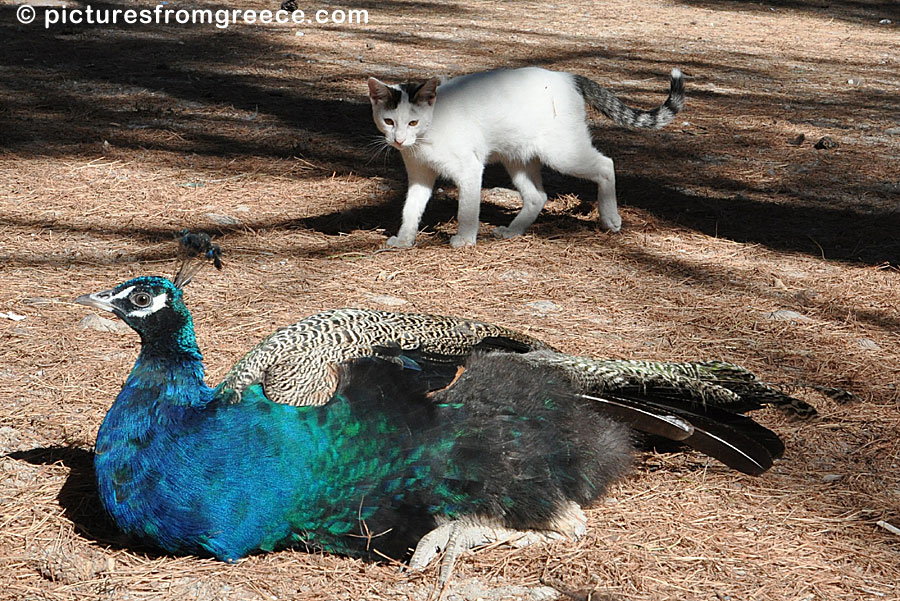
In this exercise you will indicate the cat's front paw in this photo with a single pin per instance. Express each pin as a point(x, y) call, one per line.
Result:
point(458, 241)
point(506, 232)
point(398, 242)
point(613, 222)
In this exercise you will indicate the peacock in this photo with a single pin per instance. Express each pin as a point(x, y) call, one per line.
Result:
point(377, 434)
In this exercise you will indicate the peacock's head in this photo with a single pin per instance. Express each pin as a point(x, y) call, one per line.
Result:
point(152, 306)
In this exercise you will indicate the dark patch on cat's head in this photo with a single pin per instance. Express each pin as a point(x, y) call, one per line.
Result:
point(381, 93)
point(391, 96)
point(423, 93)
point(395, 98)
point(410, 88)
point(396, 94)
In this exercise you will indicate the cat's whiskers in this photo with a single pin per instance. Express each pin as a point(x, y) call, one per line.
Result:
point(379, 147)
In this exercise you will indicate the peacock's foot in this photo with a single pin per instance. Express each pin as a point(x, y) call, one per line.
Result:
point(455, 537)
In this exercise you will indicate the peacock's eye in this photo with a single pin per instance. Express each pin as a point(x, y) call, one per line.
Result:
point(413, 123)
point(140, 299)
point(389, 121)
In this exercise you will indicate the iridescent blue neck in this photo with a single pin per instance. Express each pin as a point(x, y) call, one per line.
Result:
point(169, 374)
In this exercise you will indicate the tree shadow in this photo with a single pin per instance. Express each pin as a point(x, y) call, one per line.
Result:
point(831, 233)
point(868, 12)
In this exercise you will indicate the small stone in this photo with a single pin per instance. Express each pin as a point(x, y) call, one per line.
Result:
point(713, 159)
point(9, 438)
point(787, 315)
point(386, 299)
point(12, 316)
point(101, 324)
point(831, 477)
point(885, 22)
point(544, 306)
point(501, 196)
point(543, 593)
point(825, 143)
point(515, 275)
point(868, 344)
point(222, 219)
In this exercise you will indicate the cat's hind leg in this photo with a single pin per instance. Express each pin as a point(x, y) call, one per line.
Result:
point(526, 177)
point(421, 182)
point(585, 161)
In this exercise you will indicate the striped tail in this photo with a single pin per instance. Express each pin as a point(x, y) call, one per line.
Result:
point(699, 404)
point(723, 385)
point(606, 102)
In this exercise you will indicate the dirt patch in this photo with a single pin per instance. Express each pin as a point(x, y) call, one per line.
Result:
point(741, 241)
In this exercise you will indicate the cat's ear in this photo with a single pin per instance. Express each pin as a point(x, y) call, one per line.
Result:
point(427, 92)
point(379, 93)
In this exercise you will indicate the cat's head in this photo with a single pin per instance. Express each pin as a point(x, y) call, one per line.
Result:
point(403, 112)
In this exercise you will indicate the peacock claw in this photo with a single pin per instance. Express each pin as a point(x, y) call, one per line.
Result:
point(458, 536)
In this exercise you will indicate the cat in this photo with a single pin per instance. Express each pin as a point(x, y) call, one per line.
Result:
point(522, 118)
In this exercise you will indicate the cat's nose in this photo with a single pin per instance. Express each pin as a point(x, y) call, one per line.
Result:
point(400, 141)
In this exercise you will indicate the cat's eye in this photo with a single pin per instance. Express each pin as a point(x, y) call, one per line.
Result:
point(140, 299)
point(413, 123)
point(389, 121)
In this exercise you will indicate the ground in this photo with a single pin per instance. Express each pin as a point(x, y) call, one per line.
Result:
point(741, 241)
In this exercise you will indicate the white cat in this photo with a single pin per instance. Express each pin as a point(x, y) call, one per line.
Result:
point(521, 118)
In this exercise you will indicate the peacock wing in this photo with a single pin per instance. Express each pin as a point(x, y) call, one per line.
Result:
point(298, 364)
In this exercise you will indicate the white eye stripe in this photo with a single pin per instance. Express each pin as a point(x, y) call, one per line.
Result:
point(159, 301)
point(121, 294)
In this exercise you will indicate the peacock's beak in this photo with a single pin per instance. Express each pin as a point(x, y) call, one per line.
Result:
point(98, 300)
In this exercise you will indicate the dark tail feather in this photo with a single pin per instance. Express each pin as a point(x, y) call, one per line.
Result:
point(606, 102)
point(730, 447)
point(734, 439)
point(644, 418)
